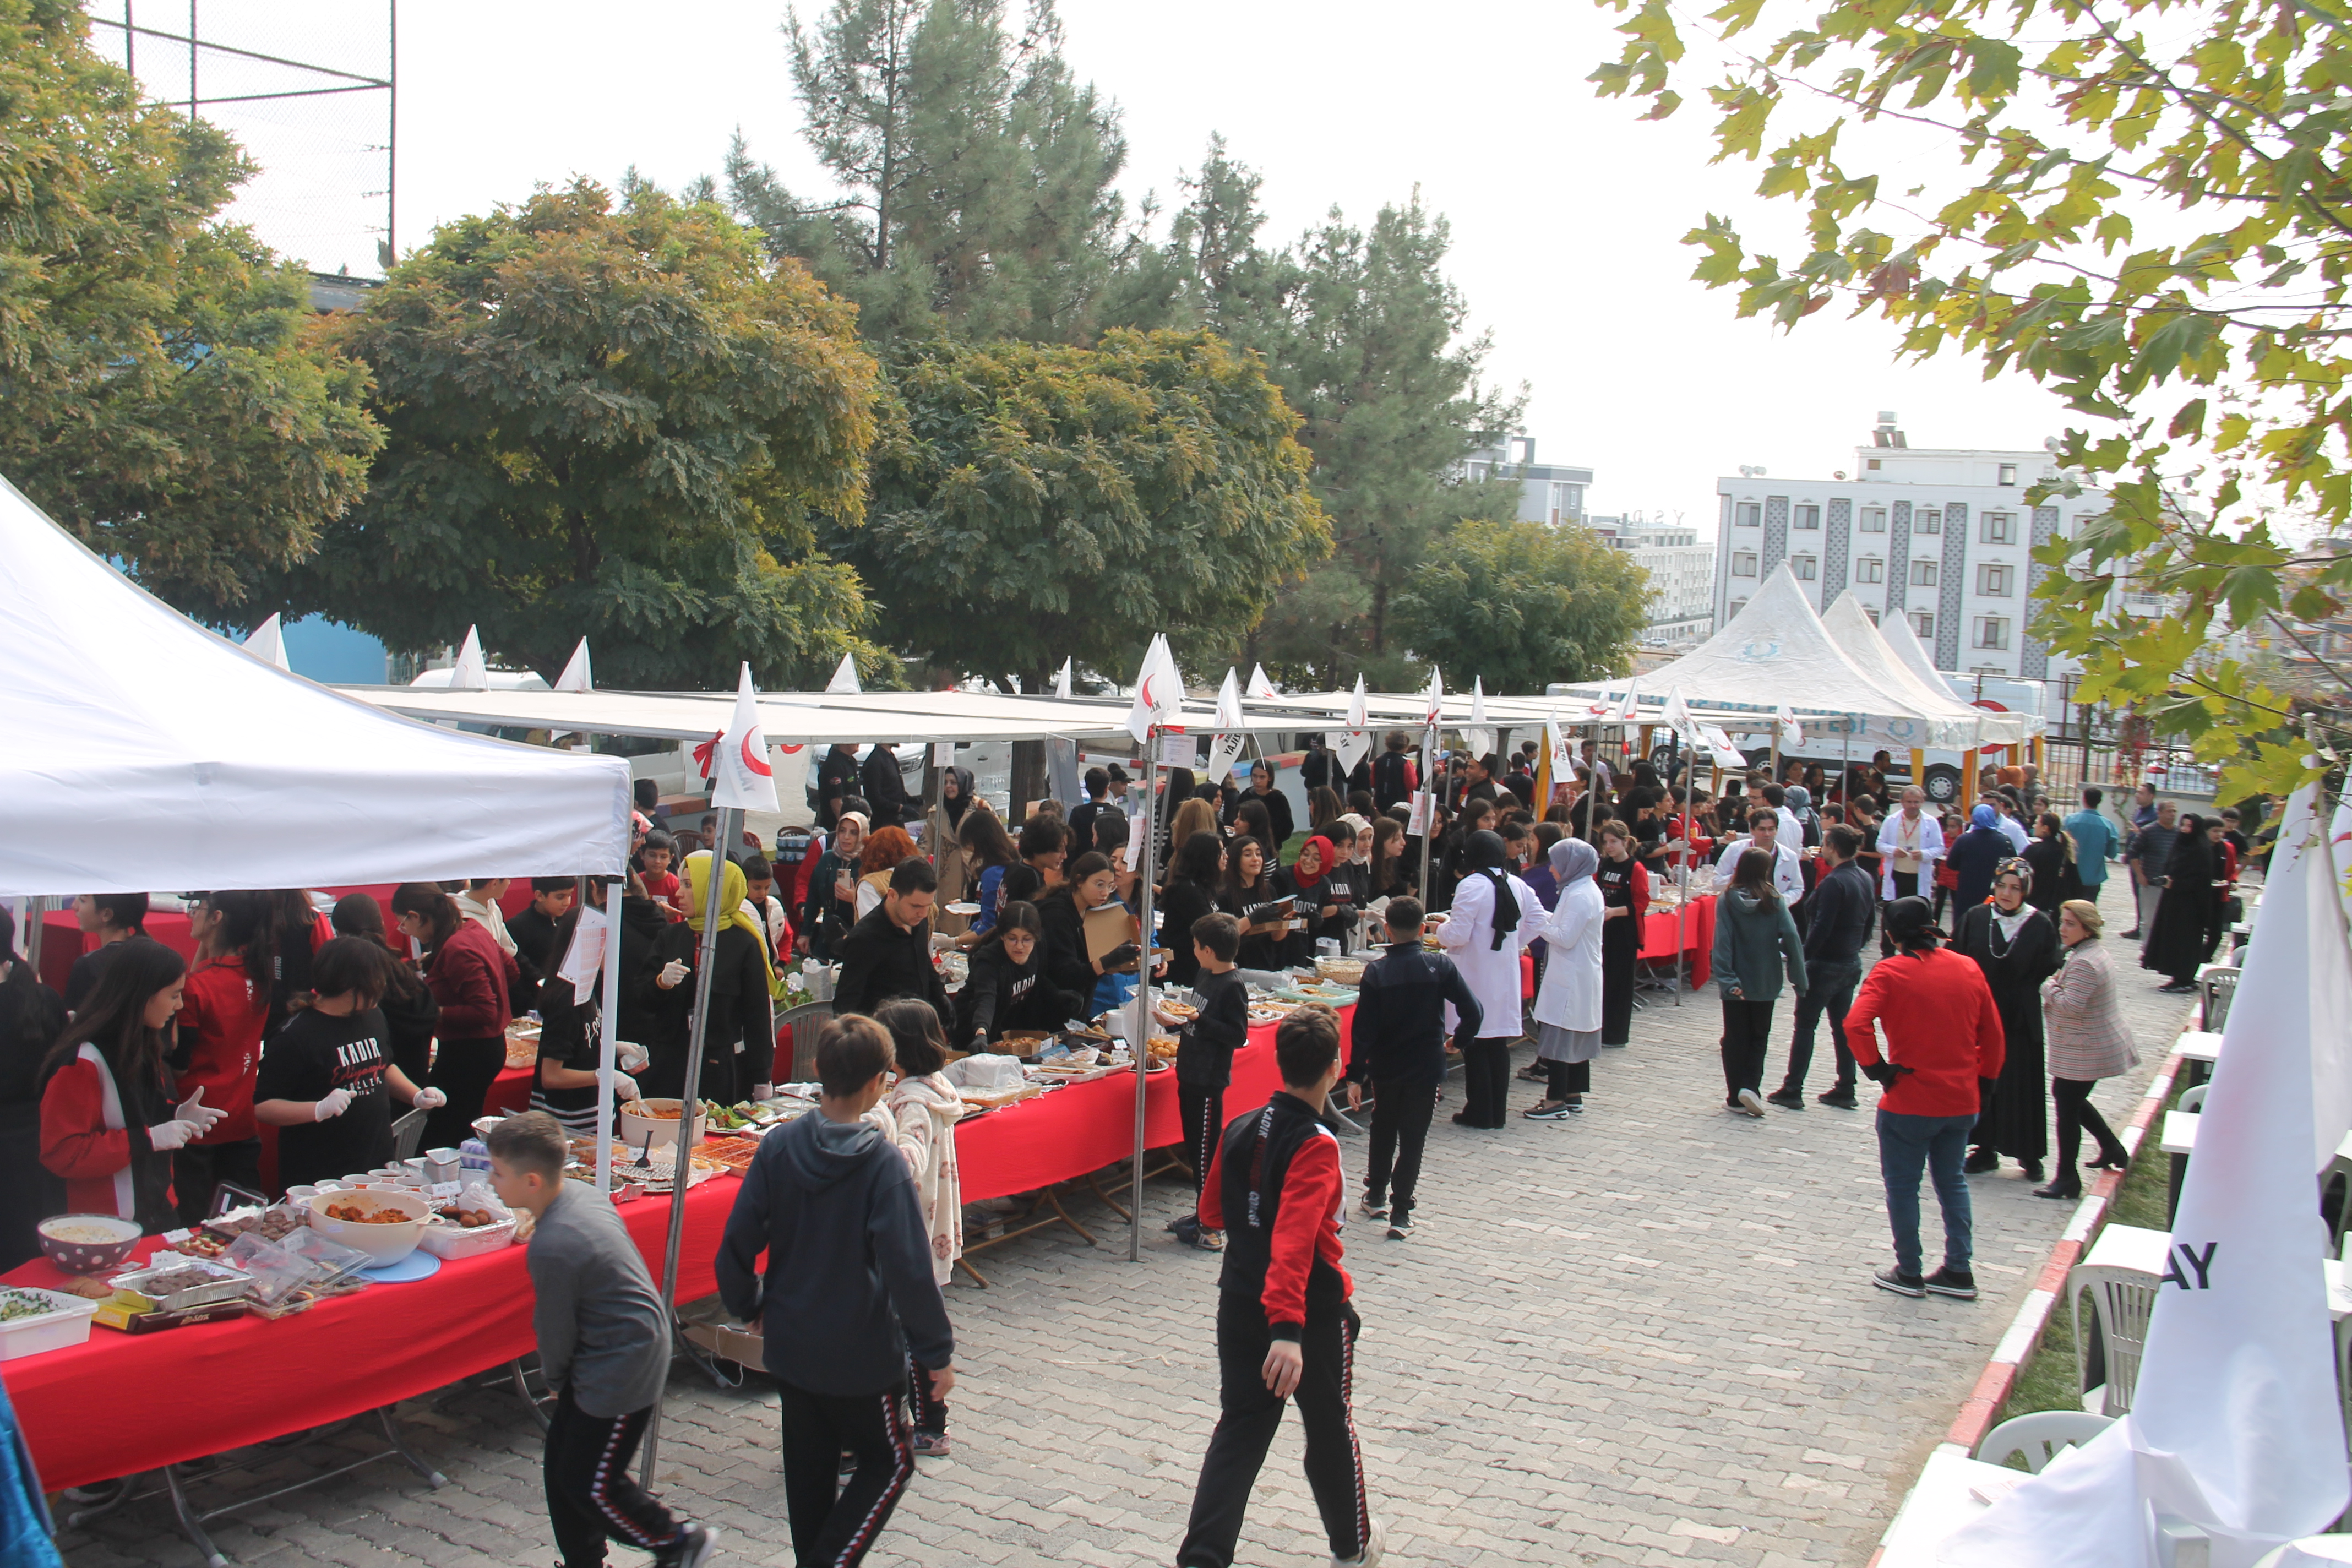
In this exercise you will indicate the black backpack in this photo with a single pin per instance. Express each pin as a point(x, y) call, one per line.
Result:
point(1388, 780)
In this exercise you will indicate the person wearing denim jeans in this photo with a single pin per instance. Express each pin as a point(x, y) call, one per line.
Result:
point(1943, 1037)
point(1844, 904)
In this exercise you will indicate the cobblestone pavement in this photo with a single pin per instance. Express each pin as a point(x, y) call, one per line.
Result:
point(1645, 1335)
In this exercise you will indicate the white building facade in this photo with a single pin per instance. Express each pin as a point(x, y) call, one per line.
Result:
point(1682, 575)
point(1548, 493)
point(1942, 537)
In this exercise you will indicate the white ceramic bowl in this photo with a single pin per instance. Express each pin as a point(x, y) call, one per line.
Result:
point(384, 1243)
point(633, 1126)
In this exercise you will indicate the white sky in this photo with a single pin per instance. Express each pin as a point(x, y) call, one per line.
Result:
point(1566, 211)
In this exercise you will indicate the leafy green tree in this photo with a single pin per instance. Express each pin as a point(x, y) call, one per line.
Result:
point(163, 392)
point(617, 423)
point(1035, 502)
point(1519, 605)
point(975, 173)
point(2151, 212)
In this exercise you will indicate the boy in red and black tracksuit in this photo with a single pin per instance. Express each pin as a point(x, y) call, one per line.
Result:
point(1285, 1322)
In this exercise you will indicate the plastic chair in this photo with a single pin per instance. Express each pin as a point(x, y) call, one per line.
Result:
point(2193, 1099)
point(2336, 1196)
point(2038, 1437)
point(796, 1032)
point(2121, 1300)
point(2216, 987)
point(406, 1133)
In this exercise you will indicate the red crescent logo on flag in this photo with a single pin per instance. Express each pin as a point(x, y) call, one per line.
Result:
point(756, 759)
point(1146, 693)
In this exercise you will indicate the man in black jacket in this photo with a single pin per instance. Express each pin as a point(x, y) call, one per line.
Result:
point(885, 788)
point(848, 1300)
point(889, 953)
point(1399, 1050)
point(1842, 904)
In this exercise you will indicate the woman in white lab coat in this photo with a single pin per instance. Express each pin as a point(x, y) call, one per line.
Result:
point(1483, 933)
point(1567, 1005)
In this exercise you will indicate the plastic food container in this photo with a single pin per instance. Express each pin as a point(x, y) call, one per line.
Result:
point(634, 1125)
point(226, 1282)
point(385, 1242)
point(448, 1241)
point(58, 1320)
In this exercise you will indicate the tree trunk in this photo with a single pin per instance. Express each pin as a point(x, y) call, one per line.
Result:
point(1379, 616)
point(1028, 778)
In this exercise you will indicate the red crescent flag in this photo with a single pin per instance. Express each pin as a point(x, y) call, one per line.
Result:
point(742, 778)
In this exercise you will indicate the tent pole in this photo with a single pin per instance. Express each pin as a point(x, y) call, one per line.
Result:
point(608, 1047)
point(730, 823)
point(1429, 785)
point(37, 910)
point(1143, 1019)
point(1592, 794)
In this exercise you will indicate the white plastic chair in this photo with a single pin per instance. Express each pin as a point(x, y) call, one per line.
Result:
point(2121, 1300)
point(2193, 1099)
point(2038, 1437)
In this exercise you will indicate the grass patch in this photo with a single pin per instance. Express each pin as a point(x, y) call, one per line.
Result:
point(2047, 1379)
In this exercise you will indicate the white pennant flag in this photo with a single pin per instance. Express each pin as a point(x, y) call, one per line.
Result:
point(1259, 687)
point(844, 676)
point(1626, 709)
point(2235, 1425)
point(1062, 681)
point(1159, 692)
point(740, 773)
point(1678, 719)
point(575, 676)
point(1563, 763)
point(1350, 743)
point(1226, 749)
point(1792, 737)
point(1477, 737)
point(471, 672)
point(1436, 704)
point(268, 643)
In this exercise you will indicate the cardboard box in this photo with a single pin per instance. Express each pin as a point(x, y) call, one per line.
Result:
point(709, 1327)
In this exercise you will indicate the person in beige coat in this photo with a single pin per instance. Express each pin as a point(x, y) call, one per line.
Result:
point(918, 1116)
point(2088, 1041)
point(942, 838)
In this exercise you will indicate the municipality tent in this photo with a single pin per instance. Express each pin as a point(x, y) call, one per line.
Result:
point(144, 752)
point(1851, 628)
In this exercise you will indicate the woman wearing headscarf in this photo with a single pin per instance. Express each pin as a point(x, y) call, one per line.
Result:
point(2187, 911)
point(739, 1041)
point(2088, 1041)
point(2017, 947)
point(1974, 856)
point(1308, 879)
point(832, 907)
point(2051, 854)
point(944, 835)
point(1484, 933)
point(1567, 1005)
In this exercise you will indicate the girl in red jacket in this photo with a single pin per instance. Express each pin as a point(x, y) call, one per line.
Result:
point(108, 1123)
point(470, 976)
point(223, 1016)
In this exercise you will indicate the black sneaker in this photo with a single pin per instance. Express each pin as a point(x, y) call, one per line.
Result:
point(2131, 935)
point(1401, 1228)
point(1786, 1099)
point(693, 1547)
point(1841, 1096)
point(1900, 1283)
point(1372, 1207)
point(1981, 1161)
point(1958, 1283)
point(1187, 1229)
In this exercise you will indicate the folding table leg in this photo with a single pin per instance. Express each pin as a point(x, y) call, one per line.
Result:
point(433, 1478)
point(189, 1524)
point(522, 1391)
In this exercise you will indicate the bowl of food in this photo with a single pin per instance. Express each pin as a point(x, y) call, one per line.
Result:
point(382, 1223)
point(88, 1244)
point(657, 1119)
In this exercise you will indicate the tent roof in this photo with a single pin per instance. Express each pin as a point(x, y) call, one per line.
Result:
point(1853, 631)
point(144, 752)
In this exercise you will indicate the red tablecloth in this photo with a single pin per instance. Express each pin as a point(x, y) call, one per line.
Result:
point(509, 1092)
point(1087, 1126)
point(1697, 934)
point(122, 1404)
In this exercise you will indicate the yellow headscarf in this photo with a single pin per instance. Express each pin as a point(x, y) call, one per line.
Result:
point(731, 889)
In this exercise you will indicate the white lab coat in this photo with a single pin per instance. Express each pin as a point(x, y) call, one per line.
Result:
point(2014, 831)
point(1931, 849)
point(1570, 997)
point(1788, 867)
point(1468, 937)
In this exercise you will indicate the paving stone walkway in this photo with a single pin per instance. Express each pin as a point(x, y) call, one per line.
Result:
point(1642, 1336)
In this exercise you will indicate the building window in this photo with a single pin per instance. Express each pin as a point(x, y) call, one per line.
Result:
point(1807, 567)
point(1923, 573)
point(1992, 631)
point(1928, 521)
point(1743, 564)
point(1873, 520)
point(1479, 472)
point(1871, 613)
point(1809, 517)
point(2008, 474)
point(1999, 528)
point(1565, 501)
point(1992, 582)
point(1873, 463)
point(1870, 568)
point(1749, 514)
point(1923, 624)
point(1738, 605)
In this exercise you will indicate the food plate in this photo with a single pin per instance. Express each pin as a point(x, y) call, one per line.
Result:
point(963, 906)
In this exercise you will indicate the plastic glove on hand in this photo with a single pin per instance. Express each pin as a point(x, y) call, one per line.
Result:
point(671, 973)
point(632, 1055)
point(168, 1135)
point(331, 1104)
point(194, 1111)
point(624, 1086)
point(428, 1098)
point(1120, 957)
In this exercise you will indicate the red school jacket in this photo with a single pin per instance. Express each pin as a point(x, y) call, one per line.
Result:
point(224, 1011)
point(469, 974)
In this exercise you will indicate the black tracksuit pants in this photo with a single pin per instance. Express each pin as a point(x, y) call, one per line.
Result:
point(1829, 992)
point(1401, 1113)
point(1251, 1412)
point(1746, 1036)
point(835, 1523)
point(1203, 1110)
point(1621, 942)
point(591, 1497)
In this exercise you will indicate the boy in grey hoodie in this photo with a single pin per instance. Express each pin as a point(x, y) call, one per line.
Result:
point(847, 1298)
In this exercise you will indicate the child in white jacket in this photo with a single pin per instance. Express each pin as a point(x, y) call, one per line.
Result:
point(918, 1116)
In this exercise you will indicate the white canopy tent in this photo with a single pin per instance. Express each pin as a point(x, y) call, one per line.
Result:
point(144, 752)
point(1868, 647)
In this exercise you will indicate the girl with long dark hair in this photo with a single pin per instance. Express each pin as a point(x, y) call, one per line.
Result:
point(1008, 987)
point(224, 1016)
point(1247, 887)
point(1192, 892)
point(1624, 884)
point(988, 850)
point(470, 976)
point(1755, 940)
point(409, 1010)
point(1088, 883)
point(111, 919)
point(327, 1082)
point(31, 1018)
point(109, 1125)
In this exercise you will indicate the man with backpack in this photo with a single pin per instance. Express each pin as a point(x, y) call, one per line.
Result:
point(1393, 777)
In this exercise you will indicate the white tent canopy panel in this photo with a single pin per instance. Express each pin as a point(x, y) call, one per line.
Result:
point(144, 752)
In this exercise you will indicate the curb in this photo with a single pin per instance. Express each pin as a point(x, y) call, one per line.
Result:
point(1981, 1411)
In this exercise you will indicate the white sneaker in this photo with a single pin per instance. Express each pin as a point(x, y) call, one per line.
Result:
point(1751, 1102)
point(1370, 1554)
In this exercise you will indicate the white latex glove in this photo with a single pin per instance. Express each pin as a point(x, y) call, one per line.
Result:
point(764, 1091)
point(671, 973)
point(624, 1086)
point(428, 1098)
point(331, 1104)
point(194, 1111)
point(172, 1134)
point(632, 1055)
